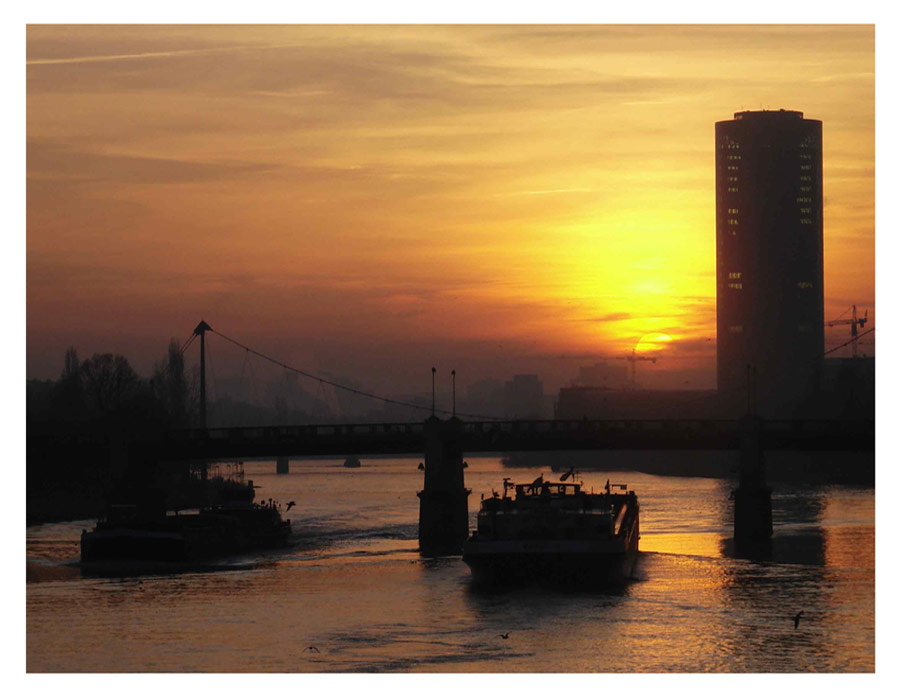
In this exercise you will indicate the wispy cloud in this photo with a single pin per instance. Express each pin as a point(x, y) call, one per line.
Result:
point(57, 161)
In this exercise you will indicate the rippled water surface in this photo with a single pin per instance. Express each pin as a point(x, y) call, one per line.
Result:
point(352, 585)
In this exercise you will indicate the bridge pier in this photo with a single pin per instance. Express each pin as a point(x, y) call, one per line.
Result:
point(282, 464)
point(753, 496)
point(444, 502)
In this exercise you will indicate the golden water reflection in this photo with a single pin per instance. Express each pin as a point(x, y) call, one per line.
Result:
point(701, 544)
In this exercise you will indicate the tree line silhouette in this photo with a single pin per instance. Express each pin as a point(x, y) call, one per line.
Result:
point(99, 401)
point(103, 394)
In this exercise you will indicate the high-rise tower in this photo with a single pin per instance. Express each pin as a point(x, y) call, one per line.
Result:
point(769, 263)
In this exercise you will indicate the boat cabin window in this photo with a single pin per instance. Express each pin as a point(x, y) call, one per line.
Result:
point(547, 488)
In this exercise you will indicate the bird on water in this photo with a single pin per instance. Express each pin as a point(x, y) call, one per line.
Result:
point(315, 649)
point(796, 619)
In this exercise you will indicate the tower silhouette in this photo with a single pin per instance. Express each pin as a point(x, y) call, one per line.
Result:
point(769, 254)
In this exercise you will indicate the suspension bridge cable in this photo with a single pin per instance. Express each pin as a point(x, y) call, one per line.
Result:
point(188, 343)
point(358, 392)
point(406, 404)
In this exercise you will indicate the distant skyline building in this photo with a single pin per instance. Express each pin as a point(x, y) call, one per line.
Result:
point(523, 397)
point(602, 374)
point(770, 304)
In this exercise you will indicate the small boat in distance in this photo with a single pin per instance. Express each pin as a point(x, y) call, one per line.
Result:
point(352, 462)
point(555, 533)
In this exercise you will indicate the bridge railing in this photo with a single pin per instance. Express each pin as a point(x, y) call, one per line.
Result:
point(570, 426)
point(296, 431)
point(526, 427)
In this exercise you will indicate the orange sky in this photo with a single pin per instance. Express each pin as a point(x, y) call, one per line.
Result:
point(365, 200)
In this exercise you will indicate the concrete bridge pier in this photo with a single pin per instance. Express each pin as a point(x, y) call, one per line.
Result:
point(282, 464)
point(444, 502)
point(753, 496)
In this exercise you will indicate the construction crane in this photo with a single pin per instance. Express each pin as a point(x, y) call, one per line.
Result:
point(634, 358)
point(855, 324)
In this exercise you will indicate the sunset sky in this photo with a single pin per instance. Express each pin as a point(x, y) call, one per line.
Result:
point(372, 200)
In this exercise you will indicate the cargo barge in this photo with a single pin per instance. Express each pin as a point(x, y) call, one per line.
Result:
point(555, 533)
point(131, 533)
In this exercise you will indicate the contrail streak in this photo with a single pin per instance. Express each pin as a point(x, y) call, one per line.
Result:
point(149, 54)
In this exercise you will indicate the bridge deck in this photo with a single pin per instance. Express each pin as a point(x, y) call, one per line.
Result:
point(513, 436)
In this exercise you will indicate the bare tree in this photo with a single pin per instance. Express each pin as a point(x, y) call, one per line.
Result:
point(171, 386)
point(69, 390)
point(109, 383)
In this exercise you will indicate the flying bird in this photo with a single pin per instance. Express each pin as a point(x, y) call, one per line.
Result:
point(796, 619)
point(289, 505)
point(504, 636)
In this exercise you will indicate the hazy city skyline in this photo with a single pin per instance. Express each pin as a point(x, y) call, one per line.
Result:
point(358, 199)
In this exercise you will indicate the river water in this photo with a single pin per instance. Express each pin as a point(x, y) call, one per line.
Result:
point(352, 585)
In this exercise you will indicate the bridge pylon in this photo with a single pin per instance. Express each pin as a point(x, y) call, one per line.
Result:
point(200, 330)
point(753, 496)
point(444, 502)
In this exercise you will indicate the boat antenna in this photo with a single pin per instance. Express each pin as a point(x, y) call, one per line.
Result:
point(433, 370)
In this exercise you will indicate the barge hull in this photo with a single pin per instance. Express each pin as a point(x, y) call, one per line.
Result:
point(557, 564)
